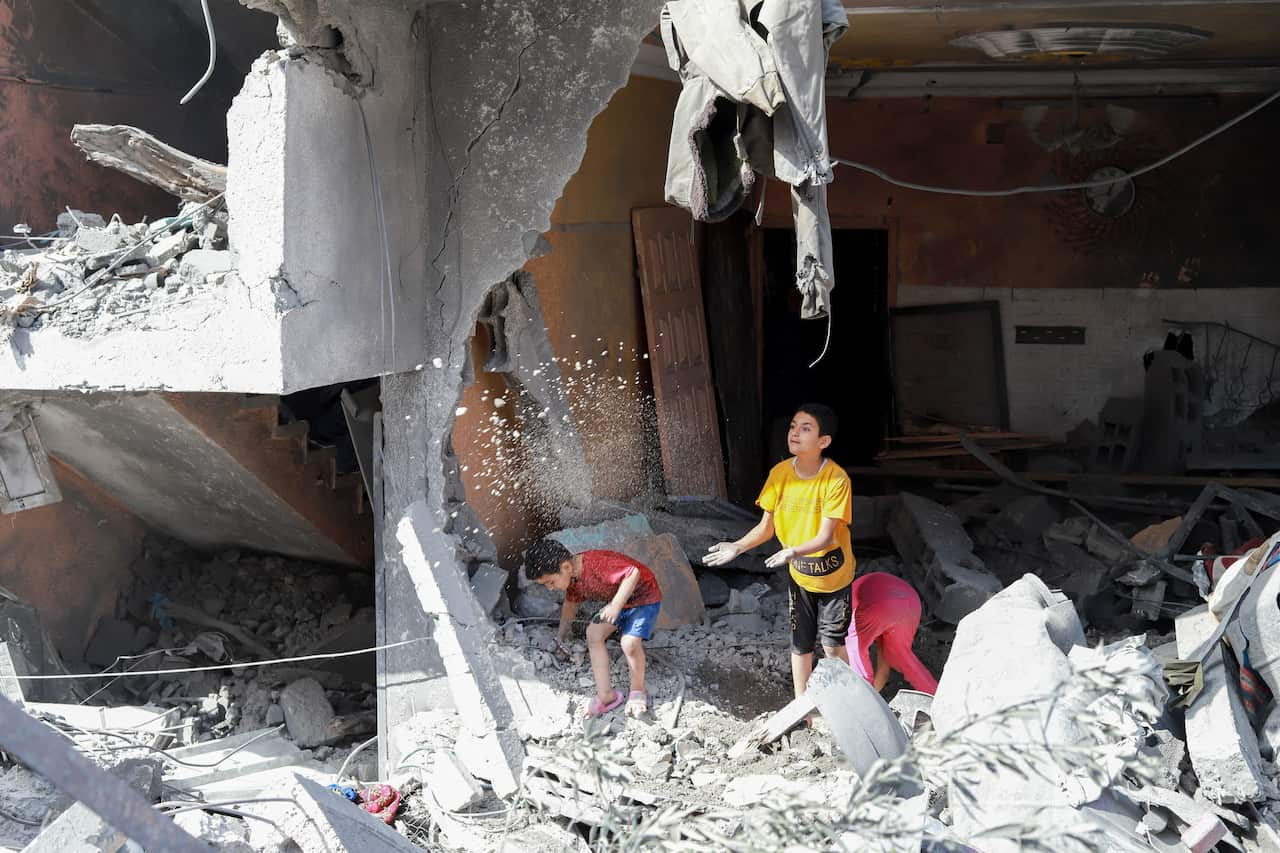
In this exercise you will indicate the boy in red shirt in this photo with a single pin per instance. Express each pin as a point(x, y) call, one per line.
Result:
point(633, 599)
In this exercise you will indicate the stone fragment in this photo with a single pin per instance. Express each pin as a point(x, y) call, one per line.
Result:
point(912, 708)
point(275, 715)
point(336, 615)
point(488, 583)
point(744, 623)
point(449, 782)
point(199, 264)
point(307, 712)
point(1170, 751)
point(1153, 539)
point(1204, 833)
point(1224, 750)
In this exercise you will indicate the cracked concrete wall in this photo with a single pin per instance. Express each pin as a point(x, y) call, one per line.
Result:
point(326, 188)
point(513, 86)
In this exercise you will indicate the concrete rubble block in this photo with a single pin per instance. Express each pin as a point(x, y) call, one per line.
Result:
point(936, 549)
point(1202, 835)
point(167, 248)
point(1170, 751)
point(861, 723)
point(1025, 519)
point(912, 708)
point(449, 782)
point(488, 583)
point(227, 834)
point(324, 822)
point(307, 712)
point(745, 791)
point(463, 636)
point(1224, 750)
point(1006, 654)
point(608, 535)
point(198, 265)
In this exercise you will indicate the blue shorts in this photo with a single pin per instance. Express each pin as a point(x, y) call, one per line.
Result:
point(639, 621)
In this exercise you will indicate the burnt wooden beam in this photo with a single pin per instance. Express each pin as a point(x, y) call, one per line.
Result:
point(141, 156)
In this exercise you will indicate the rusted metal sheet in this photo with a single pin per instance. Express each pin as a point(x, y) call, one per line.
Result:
point(53, 757)
point(676, 324)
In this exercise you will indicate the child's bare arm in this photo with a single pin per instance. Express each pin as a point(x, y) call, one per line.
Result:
point(567, 611)
point(724, 552)
point(882, 669)
point(621, 597)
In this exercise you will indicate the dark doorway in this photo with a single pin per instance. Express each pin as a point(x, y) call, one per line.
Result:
point(853, 377)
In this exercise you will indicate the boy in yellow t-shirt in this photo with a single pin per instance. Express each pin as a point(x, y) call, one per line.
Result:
point(807, 504)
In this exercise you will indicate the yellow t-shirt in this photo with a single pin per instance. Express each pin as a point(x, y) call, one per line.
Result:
point(798, 506)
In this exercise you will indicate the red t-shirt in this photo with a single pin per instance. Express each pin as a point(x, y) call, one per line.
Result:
point(604, 571)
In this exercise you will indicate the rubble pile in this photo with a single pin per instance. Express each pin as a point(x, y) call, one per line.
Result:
point(189, 610)
point(91, 273)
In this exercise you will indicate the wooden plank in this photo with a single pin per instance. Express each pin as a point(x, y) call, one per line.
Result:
point(140, 155)
point(921, 472)
point(940, 452)
point(676, 325)
point(954, 437)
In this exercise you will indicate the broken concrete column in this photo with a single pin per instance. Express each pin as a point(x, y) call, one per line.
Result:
point(521, 351)
point(462, 634)
point(936, 549)
point(328, 222)
point(491, 180)
point(861, 723)
point(1224, 750)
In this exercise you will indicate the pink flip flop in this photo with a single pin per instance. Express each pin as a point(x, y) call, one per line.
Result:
point(595, 709)
point(637, 703)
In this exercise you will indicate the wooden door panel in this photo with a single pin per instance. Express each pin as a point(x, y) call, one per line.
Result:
point(688, 424)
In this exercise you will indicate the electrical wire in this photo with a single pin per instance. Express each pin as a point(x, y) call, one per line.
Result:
point(169, 757)
point(1056, 188)
point(213, 55)
point(354, 753)
point(222, 666)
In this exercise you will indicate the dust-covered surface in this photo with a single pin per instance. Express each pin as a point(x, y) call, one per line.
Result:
point(93, 276)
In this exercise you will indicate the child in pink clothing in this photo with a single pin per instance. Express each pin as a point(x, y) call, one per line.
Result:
point(887, 609)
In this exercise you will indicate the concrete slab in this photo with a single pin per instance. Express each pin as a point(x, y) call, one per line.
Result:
point(488, 583)
point(1224, 750)
point(462, 636)
point(324, 822)
point(861, 723)
point(449, 782)
point(307, 712)
point(936, 549)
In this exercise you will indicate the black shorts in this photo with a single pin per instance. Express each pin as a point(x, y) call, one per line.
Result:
point(818, 615)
